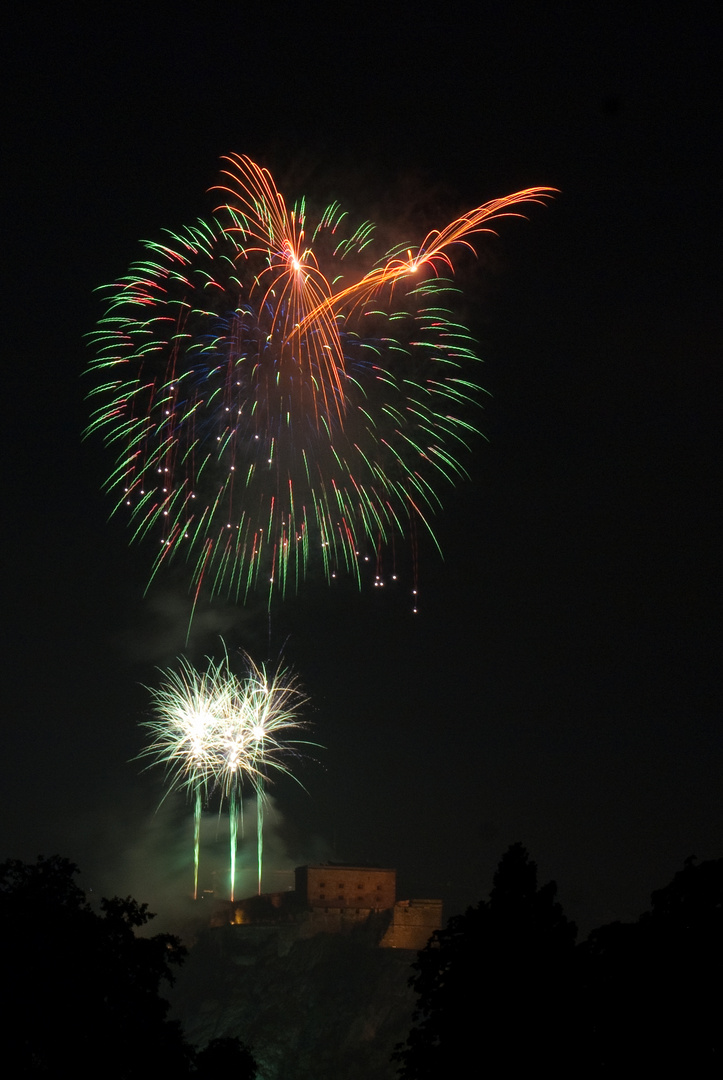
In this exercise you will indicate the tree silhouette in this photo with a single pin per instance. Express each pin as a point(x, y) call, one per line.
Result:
point(496, 983)
point(652, 995)
point(84, 988)
point(225, 1057)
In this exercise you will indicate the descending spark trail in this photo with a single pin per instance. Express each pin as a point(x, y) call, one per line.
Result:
point(213, 731)
point(276, 395)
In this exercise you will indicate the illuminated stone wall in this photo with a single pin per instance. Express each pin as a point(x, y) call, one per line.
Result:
point(413, 923)
point(353, 888)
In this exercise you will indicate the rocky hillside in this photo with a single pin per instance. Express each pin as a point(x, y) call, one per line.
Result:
point(325, 1007)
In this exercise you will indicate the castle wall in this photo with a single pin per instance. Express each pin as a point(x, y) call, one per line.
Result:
point(355, 888)
point(413, 923)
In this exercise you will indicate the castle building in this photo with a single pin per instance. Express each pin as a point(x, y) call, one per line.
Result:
point(327, 886)
point(339, 896)
point(336, 899)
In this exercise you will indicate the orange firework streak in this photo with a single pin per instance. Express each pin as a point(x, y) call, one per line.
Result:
point(432, 251)
point(292, 279)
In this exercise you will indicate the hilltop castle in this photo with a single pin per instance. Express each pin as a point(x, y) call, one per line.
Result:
point(334, 898)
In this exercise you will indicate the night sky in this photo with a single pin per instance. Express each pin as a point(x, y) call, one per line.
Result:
point(558, 685)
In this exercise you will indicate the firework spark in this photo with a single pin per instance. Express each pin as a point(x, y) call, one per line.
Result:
point(274, 395)
point(213, 731)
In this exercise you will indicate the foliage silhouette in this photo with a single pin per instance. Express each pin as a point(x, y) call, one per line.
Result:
point(85, 987)
point(651, 989)
point(504, 967)
point(504, 985)
point(225, 1057)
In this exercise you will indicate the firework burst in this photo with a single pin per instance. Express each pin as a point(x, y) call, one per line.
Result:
point(275, 395)
point(213, 731)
